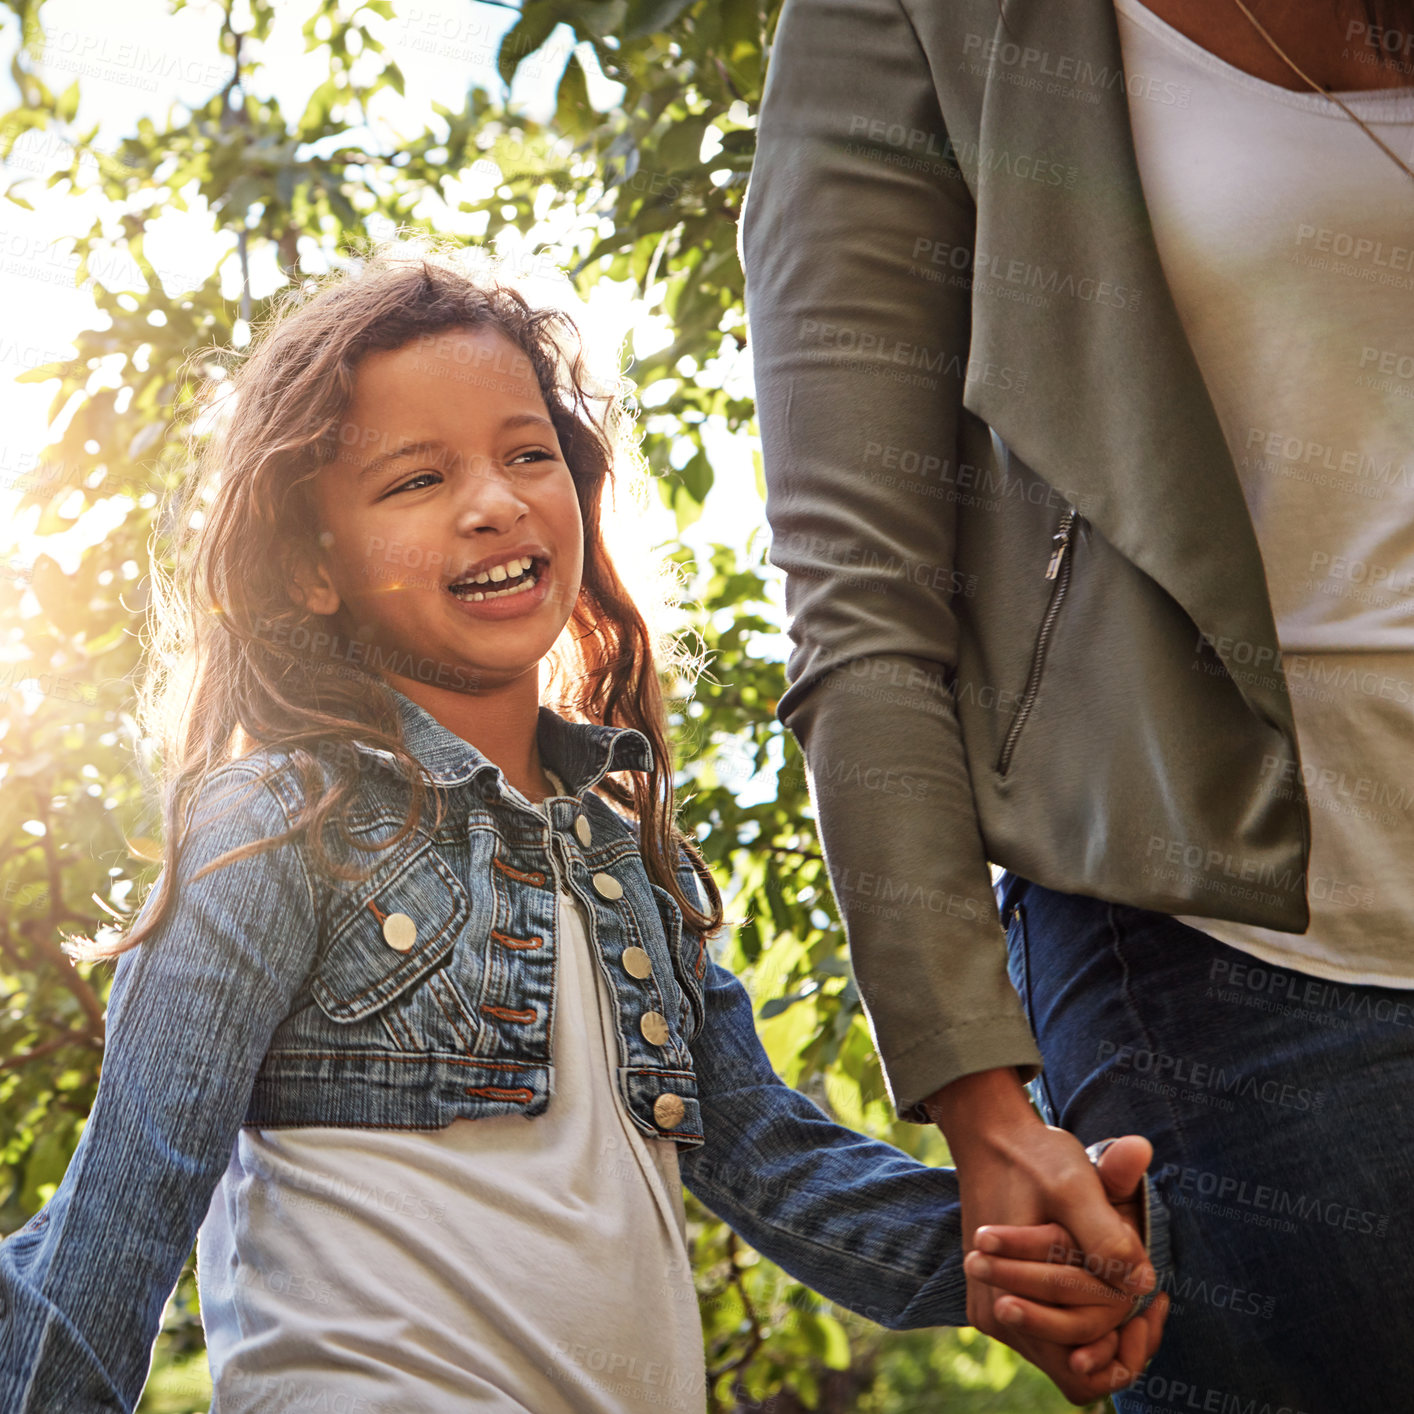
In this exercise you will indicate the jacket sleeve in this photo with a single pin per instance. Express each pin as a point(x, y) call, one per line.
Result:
point(190, 1014)
point(860, 335)
point(857, 1220)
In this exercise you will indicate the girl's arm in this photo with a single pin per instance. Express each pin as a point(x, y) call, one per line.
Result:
point(854, 1218)
point(190, 1014)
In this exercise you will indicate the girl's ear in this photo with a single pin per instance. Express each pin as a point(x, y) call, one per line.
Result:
point(311, 585)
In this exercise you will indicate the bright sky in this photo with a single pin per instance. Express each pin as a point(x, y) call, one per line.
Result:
point(132, 58)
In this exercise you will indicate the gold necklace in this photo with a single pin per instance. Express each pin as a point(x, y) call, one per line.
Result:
point(1290, 64)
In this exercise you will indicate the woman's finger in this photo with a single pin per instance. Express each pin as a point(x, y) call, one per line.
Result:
point(1122, 1166)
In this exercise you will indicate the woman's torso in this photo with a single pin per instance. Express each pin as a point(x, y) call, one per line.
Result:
point(1297, 296)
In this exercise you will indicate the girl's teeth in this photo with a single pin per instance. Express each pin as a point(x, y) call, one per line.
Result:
point(499, 572)
point(500, 593)
point(512, 569)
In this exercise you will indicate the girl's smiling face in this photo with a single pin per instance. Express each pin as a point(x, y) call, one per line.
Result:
point(450, 527)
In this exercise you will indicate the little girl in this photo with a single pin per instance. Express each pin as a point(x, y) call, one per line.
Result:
point(425, 1036)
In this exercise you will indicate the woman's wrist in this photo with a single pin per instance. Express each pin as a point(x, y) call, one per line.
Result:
point(988, 1109)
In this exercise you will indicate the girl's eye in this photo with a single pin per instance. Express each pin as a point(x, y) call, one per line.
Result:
point(427, 478)
point(416, 481)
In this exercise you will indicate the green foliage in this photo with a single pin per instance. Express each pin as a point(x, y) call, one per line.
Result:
point(651, 189)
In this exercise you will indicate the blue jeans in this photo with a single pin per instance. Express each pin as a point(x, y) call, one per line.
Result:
point(1279, 1106)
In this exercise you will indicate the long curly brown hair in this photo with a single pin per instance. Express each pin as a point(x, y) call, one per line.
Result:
point(231, 668)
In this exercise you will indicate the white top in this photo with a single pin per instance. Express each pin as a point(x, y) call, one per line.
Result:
point(1287, 238)
point(507, 1264)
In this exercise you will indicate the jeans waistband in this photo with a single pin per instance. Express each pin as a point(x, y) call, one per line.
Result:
point(1009, 889)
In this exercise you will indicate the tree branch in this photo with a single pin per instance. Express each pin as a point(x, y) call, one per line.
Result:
point(786, 849)
point(68, 1038)
point(43, 936)
point(756, 1338)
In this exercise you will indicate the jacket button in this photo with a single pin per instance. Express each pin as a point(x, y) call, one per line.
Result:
point(399, 931)
point(606, 886)
point(637, 963)
point(582, 831)
point(654, 1028)
point(668, 1111)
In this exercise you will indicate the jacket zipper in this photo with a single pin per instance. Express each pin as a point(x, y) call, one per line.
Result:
point(1057, 569)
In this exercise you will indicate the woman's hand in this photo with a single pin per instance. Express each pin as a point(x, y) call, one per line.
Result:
point(1015, 1171)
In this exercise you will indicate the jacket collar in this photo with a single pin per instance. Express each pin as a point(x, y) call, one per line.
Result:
point(580, 753)
point(1116, 414)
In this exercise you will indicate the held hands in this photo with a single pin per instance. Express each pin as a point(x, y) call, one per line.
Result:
point(1033, 1206)
point(1054, 1309)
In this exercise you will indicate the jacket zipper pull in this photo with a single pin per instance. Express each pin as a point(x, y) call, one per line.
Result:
point(1062, 539)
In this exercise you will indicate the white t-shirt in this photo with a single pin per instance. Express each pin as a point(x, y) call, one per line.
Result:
point(1287, 238)
point(502, 1264)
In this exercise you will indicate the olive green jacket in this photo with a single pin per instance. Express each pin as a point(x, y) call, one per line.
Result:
point(1030, 619)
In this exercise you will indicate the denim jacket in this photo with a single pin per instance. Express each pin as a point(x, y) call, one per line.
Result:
point(275, 996)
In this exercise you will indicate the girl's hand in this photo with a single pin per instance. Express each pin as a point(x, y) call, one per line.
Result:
point(1048, 1292)
point(1030, 1264)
